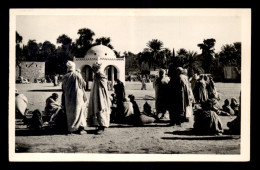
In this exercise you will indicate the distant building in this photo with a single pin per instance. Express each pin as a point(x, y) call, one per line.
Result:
point(31, 70)
point(112, 67)
point(231, 73)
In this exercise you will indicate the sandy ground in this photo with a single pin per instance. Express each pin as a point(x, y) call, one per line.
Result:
point(153, 138)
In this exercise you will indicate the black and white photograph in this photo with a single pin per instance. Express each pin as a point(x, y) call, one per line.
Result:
point(129, 84)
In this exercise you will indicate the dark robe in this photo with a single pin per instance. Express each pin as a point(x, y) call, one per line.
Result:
point(136, 108)
point(207, 122)
point(161, 94)
point(119, 91)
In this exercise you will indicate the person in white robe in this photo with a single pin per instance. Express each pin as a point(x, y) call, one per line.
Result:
point(73, 86)
point(189, 109)
point(99, 103)
point(21, 103)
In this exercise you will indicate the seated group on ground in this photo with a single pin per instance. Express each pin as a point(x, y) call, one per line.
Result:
point(176, 94)
point(130, 113)
point(53, 115)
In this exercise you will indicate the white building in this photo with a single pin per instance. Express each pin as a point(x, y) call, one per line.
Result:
point(112, 67)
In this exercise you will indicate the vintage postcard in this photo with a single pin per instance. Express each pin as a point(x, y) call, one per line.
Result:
point(132, 85)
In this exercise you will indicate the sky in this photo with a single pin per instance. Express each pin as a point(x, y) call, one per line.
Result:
point(132, 32)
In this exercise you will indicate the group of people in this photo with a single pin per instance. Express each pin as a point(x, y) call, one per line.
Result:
point(176, 94)
point(125, 109)
point(183, 98)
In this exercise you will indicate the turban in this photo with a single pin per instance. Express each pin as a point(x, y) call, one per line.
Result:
point(71, 65)
point(179, 70)
point(185, 71)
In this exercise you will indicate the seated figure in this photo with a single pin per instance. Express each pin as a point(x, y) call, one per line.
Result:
point(21, 103)
point(147, 109)
point(234, 105)
point(206, 120)
point(139, 118)
point(235, 125)
point(52, 107)
point(227, 108)
point(128, 111)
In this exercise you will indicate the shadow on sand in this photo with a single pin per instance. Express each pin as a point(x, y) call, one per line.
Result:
point(192, 135)
point(45, 90)
point(157, 124)
point(32, 132)
point(43, 132)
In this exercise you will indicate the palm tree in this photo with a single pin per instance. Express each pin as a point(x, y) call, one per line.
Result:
point(144, 57)
point(182, 51)
point(155, 46)
point(207, 48)
point(165, 58)
point(193, 63)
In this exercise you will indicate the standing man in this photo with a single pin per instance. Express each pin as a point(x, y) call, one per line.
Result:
point(99, 101)
point(143, 83)
point(193, 80)
point(182, 96)
point(55, 80)
point(73, 87)
point(161, 93)
point(188, 111)
point(179, 97)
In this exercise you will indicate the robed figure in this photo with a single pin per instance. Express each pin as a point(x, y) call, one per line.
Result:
point(21, 103)
point(161, 93)
point(183, 102)
point(99, 102)
point(179, 92)
point(200, 90)
point(119, 90)
point(74, 99)
point(120, 95)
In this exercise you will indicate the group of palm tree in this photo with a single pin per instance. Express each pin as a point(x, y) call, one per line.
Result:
point(156, 56)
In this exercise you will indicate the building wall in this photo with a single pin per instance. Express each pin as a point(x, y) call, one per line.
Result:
point(32, 70)
point(118, 63)
point(230, 73)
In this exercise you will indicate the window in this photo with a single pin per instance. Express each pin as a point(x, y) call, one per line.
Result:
point(105, 53)
point(26, 65)
point(36, 65)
